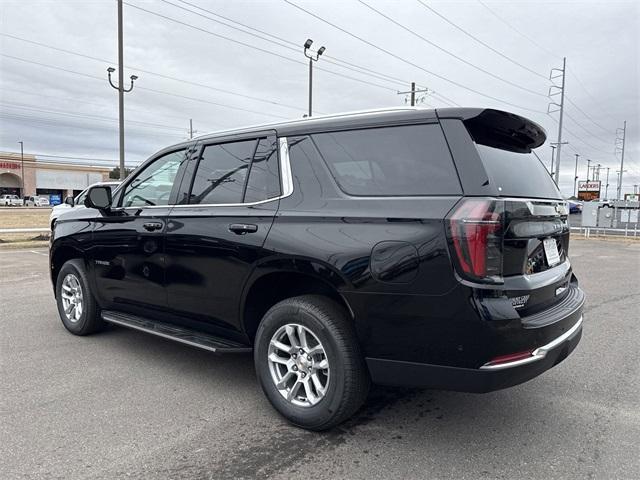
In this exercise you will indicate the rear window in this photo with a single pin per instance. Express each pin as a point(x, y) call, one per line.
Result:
point(517, 174)
point(406, 160)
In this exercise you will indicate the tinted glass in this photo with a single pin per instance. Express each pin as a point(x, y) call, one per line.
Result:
point(222, 172)
point(152, 186)
point(407, 160)
point(79, 200)
point(517, 174)
point(264, 176)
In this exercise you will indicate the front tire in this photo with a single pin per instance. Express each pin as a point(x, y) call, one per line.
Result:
point(308, 362)
point(77, 306)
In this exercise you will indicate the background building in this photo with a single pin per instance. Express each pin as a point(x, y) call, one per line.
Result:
point(55, 180)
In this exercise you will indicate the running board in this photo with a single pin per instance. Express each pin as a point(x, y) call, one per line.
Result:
point(176, 333)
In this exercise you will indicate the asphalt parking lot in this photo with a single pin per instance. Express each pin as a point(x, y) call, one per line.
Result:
point(122, 404)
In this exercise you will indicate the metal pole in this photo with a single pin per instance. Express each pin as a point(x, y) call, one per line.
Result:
point(588, 168)
point(22, 162)
point(413, 94)
point(310, 84)
point(575, 176)
point(624, 134)
point(564, 69)
point(190, 128)
point(606, 188)
point(553, 151)
point(121, 89)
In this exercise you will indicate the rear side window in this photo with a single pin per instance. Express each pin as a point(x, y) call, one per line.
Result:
point(390, 161)
point(517, 174)
point(264, 175)
point(222, 172)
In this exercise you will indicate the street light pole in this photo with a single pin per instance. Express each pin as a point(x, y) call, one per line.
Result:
point(575, 176)
point(120, 88)
point(588, 168)
point(606, 188)
point(313, 57)
point(22, 163)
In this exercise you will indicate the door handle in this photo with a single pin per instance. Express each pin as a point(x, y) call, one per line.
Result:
point(243, 228)
point(152, 226)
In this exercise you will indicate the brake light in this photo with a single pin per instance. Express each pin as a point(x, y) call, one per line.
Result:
point(475, 228)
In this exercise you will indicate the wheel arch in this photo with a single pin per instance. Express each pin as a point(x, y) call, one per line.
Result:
point(59, 256)
point(266, 290)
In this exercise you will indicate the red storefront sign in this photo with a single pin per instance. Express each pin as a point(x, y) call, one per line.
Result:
point(10, 166)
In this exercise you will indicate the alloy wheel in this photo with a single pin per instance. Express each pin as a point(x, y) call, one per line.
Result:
point(72, 298)
point(298, 365)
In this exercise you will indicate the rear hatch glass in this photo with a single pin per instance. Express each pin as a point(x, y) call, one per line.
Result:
point(517, 174)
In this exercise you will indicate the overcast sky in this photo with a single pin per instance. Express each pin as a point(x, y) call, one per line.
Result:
point(220, 83)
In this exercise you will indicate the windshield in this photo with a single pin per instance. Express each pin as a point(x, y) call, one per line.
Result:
point(517, 174)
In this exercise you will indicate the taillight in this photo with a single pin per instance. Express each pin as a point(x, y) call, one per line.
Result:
point(476, 228)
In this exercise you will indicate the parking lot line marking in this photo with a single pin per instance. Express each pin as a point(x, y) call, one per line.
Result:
point(39, 253)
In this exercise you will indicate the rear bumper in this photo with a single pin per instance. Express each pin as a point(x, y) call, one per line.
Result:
point(485, 379)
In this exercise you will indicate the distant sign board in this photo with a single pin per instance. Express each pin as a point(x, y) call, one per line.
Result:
point(589, 190)
point(55, 199)
point(631, 197)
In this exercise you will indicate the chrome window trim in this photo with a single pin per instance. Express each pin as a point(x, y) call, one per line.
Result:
point(539, 353)
point(286, 180)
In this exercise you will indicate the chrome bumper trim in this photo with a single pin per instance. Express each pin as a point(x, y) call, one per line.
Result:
point(539, 353)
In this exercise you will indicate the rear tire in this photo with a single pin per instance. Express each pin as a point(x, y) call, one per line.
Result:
point(77, 306)
point(305, 337)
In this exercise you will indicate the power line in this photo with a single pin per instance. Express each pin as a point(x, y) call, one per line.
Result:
point(248, 45)
point(588, 116)
point(109, 162)
point(189, 82)
point(519, 32)
point(435, 45)
point(595, 101)
point(484, 44)
point(106, 104)
point(547, 51)
point(287, 43)
point(408, 62)
point(90, 116)
point(143, 88)
point(585, 129)
point(39, 120)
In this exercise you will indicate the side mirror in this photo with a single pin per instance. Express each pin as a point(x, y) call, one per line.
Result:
point(69, 201)
point(98, 197)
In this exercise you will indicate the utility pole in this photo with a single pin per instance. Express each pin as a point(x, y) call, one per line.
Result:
point(619, 174)
point(575, 176)
point(313, 57)
point(635, 188)
point(622, 131)
point(413, 92)
point(558, 90)
point(555, 145)
point(120, 88)
point(22, 163)
point(588, 168)
point(596, 172)
point(191, 128)
point(606, 187)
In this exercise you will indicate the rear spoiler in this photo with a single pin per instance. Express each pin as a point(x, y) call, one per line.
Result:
point(498, 129)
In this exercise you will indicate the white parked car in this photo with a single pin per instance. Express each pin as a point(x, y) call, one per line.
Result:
point(36, 201)
point(77, 202)
point(7, 200)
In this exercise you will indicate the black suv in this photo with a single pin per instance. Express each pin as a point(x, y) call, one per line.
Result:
point(407, 247)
